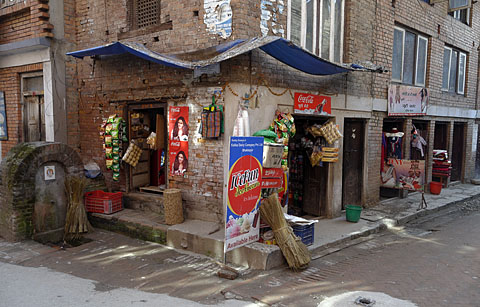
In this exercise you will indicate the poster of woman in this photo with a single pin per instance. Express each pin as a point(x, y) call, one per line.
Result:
point(3, 118)
point(178, 129)
point(180, 164)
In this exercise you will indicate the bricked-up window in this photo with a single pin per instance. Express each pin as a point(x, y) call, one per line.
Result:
point(454, 68)
point(144, 13)
point(409, 59)
point(317, 25)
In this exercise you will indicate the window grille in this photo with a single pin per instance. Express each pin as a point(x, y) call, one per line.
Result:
point(145, 13)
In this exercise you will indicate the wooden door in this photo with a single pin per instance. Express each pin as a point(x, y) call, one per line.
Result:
point(34, 118)
point(315, 188)
point(353, 144)
point(458, 151)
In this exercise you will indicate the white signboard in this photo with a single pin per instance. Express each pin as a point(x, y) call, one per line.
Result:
point(407, 100)
point(218, 17)
point(49, 172)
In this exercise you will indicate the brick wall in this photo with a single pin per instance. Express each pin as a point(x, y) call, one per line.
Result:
point(442, 29)
point(24, 20)
point(374, 157)
point(125, 78)
point(10, 81)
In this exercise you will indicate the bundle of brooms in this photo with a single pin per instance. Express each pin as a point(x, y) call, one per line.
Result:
point(295, 252)
point(76, 221)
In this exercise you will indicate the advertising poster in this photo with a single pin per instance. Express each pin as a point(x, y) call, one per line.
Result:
point(243, 191)
point(312, 104)
point(404, 174)
point(3, 118)
point(178, 140)
point(218, 17)
point(407, 100)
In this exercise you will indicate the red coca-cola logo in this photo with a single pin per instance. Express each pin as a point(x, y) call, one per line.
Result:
point(306, 99)
point(244, 185)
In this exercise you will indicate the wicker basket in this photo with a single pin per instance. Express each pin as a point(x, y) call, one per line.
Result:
point(172, 199)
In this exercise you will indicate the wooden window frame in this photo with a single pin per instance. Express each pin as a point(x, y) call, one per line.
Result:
point(317, 27)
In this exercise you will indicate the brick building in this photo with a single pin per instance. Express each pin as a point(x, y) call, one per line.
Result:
point(34, 36)
point(373, 33)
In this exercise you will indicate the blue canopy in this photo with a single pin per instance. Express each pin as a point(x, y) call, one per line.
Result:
point(277, 47)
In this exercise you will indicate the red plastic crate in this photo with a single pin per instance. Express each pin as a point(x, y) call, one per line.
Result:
point(103, 202)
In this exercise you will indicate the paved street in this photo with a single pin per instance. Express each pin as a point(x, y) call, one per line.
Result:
point(431, 262)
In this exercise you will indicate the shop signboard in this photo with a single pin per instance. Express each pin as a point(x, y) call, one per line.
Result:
point(404, 174)
point(243, 191)
point(407, 100)
point(312, 104)
point(178, 140)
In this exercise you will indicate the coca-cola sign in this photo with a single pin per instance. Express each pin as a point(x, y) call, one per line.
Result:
point(306, 103)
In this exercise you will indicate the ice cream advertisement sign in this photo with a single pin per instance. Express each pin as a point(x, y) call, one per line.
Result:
point(243, 191)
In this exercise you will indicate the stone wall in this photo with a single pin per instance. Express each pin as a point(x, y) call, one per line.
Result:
point(17, 183)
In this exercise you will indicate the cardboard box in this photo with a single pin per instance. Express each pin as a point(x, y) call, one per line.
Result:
point(272, 155)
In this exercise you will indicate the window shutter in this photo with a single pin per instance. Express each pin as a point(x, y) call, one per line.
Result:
point(456, 5)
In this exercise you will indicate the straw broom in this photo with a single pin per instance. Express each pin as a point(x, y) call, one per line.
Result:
point(76, 221)
point(293, 249)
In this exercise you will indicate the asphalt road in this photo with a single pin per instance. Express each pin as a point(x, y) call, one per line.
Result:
point(431, 262)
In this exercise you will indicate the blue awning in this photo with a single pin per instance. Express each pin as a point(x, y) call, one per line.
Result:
point(277, 47)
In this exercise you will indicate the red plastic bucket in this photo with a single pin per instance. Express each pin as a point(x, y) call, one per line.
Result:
point(435, 187)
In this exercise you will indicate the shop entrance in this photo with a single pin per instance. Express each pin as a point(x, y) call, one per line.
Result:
point(308, 184)
point(458, 151)
point(392, 147)
point(150, 173)
point(353, 144)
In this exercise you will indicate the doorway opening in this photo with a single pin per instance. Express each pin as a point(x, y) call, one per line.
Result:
point(352, 171)
point(150, 173)
point(308, 184)
point(392, 147)
point(33, 107)
point(458, 151)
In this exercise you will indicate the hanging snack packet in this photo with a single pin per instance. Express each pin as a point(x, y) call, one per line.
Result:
point(109, 163)
point(116, 176)
point(108, 140)
point(108, 152)
point(115, 134)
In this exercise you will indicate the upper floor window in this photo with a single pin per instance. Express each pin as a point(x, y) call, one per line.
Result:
point(317, 25)
point(463, 15)
point(409, 60)
point(144, 13)
point(454, 67)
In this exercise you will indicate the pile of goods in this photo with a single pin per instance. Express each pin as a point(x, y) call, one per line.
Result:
point(284, 127)
point(132, 155)
point(442, 167)
point(113, 132)
point(320, 151)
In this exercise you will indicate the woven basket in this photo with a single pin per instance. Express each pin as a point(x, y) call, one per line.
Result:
point(172, 199)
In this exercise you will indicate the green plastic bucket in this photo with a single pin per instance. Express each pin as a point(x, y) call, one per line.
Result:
point(353, 213)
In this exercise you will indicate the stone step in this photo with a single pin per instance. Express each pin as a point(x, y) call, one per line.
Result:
point(147, 202)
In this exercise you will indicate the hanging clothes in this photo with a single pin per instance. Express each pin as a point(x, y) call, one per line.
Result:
point(394, 145)
point(384, 149)
point(418, 142)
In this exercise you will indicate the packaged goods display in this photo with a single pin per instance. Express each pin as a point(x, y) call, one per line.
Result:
point(113, 132)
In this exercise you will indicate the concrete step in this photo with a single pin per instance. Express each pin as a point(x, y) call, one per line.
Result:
point(196, 236)
point(147, 202)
